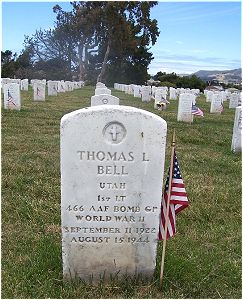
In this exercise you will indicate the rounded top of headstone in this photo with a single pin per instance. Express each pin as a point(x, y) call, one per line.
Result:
point(110, 109)
point(100, 84)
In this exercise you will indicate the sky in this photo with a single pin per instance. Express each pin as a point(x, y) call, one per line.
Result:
point(193, 35)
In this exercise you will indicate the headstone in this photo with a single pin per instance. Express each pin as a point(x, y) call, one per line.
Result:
point(24, 85)
point(104, 100)
point(100, 91)
point(236, 138)
point(52, 87)
point(159, 95)
point(216, 104)
point(39, 91)
point(185, 108)
point(136, 91)
point(172, 94)
point(61, 87)
point(209, 96)
point(112, 164)
point(234, 100)
point(12, 96)
point(100, 85)
point(146, 93)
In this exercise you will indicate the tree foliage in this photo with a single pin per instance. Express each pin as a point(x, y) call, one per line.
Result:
point(98, 40)
point(172, 79)
point(8, 66)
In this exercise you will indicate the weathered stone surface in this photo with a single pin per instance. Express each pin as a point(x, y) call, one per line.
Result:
point(112, 164)
point(39, 91)
point(146, 93)
point(52, 87)
point(236, 138)
point(12, 96)
point(137, 91)
point(24, 85)
point(216, 104)
point(234, 100)
point(104, 100)
point(185, 108)
point(101, 91)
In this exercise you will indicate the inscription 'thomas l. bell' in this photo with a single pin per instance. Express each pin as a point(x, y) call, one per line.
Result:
point(112, 170)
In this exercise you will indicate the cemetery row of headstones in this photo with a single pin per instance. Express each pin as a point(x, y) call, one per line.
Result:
point(187, 100)
point(217, 99)
point(147, 93)
point(187, 97)
point(12, 87)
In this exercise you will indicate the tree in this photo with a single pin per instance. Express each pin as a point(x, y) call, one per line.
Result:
point(23, 64)
point(97, 36)
point(8, 66)
point(172, 79)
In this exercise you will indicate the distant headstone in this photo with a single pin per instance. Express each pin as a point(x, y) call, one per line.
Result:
point(146, 93)
point(12, 96)
point(172, 94)
point(112, 164)
point(61, 87)
point(100, 85)
point(159, 95)
point(216, 104)
point(185, 108)
point(236, 138)
point(234, 100)
point(24, 85)
point(39, 91)
point(104, 100)
point(136, 91)
point(99, 91)
point(52, 87)
point(209, 96)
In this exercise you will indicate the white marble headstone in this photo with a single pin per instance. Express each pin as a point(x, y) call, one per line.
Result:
point(24, 84)
point(209, 96)
point(146, 93)
point(112, 164)
point(172, 94)
point(104, 100)
point(185, 108)
point(234, 100)
point(216, 104)
point(12, 96)
point(100, 85)
point(52, 87)
point(100, 91)
point(39, 91)
point(136, 91)
point(236, 138)
point(61, 87)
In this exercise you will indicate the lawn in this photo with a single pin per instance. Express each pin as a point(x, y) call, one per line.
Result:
point(203, 260)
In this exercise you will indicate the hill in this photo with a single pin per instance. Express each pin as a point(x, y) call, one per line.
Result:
point(226, 76)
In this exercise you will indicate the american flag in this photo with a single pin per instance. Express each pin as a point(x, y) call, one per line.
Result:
point(196, 111)
point(221, 107)
point(10, 99)
point(178, 201)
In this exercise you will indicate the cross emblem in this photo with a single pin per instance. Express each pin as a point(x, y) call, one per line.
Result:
point(114, 132)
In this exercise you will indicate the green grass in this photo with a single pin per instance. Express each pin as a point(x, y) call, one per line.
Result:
point(203, 260)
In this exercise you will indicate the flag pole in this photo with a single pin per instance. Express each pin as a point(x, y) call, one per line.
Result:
point(167, 208)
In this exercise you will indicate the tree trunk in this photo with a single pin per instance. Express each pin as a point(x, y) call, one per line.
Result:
point(104, 64)
point(81, 74)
